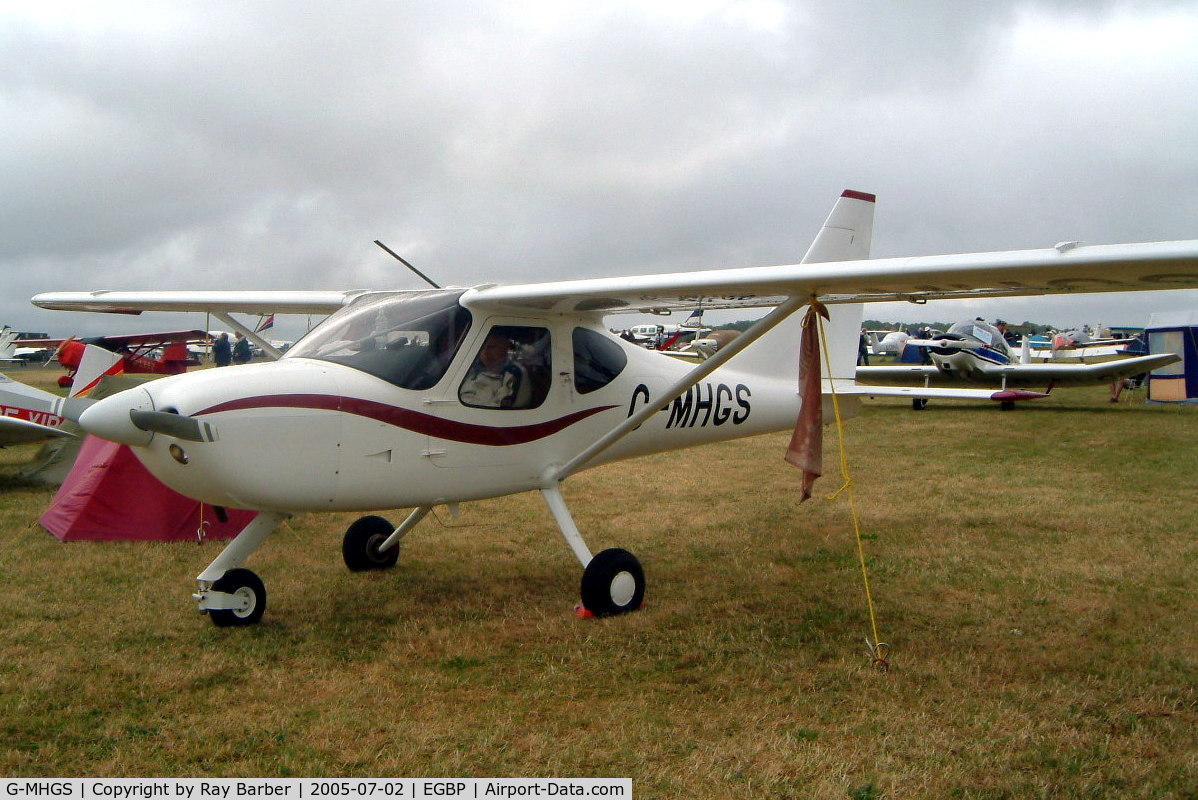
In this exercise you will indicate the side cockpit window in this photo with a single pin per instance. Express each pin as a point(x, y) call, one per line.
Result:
point(510, 369)
point(405, 338)
point(598, 359)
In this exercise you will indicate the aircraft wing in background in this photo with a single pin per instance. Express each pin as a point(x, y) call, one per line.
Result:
point(128, 340)
point(1008, 375)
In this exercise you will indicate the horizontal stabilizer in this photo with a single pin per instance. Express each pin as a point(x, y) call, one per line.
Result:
point(14, 430)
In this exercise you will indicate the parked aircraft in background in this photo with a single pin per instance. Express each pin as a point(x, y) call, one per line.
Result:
point(887, 343)
point(28, 414)
point(1084, 352)
point(1068, 340)
point(143, 353)
point(664, 337)
point(420, 398)
point(1080, 344)
point(975, 353)
point(8, 348)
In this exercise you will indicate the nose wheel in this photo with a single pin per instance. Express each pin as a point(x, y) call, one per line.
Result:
point(613, 583)
point(242, 597)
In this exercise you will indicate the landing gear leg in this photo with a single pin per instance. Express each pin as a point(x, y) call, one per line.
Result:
point(373, 543)
point(612, 581)
point(233, 596)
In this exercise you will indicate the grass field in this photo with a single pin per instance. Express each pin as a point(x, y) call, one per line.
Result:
point(1032, 570)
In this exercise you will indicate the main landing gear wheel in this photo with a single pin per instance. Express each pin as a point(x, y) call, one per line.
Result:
point(248, 590)
point(613, 583)
point(919, 403)
point(360, 546)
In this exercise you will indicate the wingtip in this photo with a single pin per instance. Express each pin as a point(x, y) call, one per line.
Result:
point(854, 194)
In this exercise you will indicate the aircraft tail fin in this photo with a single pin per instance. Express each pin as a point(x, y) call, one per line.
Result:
point(846, 235)
point(8, 347)
point(96, 363)
point(847, 232)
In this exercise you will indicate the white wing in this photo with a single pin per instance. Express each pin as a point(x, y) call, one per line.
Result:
point(248, 302)
point(1056, 270)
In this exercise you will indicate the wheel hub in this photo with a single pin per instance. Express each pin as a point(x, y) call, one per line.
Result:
point(623, 587)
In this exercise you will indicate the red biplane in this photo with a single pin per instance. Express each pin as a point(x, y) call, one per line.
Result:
point(142, 353)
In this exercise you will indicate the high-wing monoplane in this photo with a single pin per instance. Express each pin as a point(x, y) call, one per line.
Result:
point(412, 399)
point(975, 353)
point(163, 353)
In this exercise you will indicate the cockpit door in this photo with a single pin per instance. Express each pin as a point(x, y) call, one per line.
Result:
point(500, 397)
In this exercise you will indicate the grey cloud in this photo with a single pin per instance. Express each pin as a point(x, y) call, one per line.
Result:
point(267, 144)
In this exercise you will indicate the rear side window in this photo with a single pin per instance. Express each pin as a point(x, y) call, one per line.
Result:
point(598, 359)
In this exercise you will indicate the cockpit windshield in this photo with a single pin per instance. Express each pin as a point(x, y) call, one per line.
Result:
point(405, 338)
point(983, 332)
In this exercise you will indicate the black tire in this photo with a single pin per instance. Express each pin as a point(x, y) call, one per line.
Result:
point(919, 403)
point(613, 583)
point(360, 545)
point(244, 584)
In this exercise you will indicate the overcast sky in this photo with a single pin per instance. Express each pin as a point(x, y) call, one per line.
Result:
point(265, 145)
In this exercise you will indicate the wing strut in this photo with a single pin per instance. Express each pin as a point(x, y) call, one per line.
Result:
point(755, 332)
point(266, 346)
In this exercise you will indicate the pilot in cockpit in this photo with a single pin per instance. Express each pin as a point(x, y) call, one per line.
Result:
point(495, 380)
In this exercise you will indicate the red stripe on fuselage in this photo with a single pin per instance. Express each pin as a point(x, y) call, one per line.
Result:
point(414, 421)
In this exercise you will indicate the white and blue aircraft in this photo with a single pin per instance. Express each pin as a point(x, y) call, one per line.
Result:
point(975, 353)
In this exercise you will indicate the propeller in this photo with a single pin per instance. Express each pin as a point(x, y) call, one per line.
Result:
point(943, 343)
point(946, 344)
point(173, 424)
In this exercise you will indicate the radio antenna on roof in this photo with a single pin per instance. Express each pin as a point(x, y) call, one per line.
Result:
point(403, 261)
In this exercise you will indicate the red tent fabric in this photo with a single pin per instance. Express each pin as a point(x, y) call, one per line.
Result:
point(109, 496)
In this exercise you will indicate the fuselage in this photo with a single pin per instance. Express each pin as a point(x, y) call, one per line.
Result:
point(27, 414)
point(352, 419)
point(19, 401)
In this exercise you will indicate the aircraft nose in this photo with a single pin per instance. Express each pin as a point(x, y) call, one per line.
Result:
point(109, 418)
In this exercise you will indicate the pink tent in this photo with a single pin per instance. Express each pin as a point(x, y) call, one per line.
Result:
point(110, 496)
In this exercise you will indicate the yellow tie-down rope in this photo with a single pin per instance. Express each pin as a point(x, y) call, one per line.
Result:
point(879, 651)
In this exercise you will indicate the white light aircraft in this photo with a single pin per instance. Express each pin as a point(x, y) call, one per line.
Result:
point(28, 414)
point(411, 399)
point(1080, 345)
point(975, 352)
point(888, 342)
